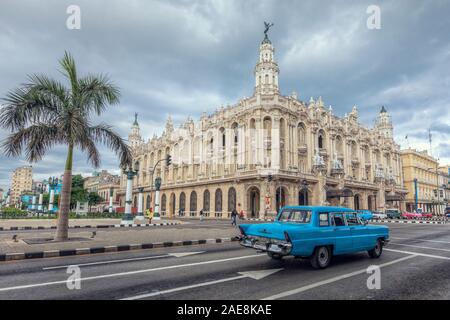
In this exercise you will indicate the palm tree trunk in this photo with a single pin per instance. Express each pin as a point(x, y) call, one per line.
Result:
point(62, 231)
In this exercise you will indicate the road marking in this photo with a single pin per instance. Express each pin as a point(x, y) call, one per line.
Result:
point(176, 255)
point(334, 279)
point(257, 275)
point(419, 247)
point(419, 254)
point(112, 275)
point(410, 239)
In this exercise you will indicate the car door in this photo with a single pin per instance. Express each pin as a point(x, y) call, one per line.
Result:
point(342, 233)
point(359, 231)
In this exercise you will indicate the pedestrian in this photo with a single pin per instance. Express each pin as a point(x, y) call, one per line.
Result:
point(234, 214)
point(201, 214)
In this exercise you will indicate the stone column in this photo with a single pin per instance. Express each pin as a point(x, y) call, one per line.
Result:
point(111, 200)
point(33, 203)
point(41, 198)
point(275, 140)
point(140, 212)
point(259, 135)
point(128, 217)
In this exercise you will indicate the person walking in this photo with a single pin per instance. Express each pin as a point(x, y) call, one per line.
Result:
point(201, 215)
point(234, 214)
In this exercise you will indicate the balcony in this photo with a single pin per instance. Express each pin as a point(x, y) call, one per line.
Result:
point(303, 149)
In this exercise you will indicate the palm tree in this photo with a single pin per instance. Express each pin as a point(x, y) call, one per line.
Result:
point(43, 113)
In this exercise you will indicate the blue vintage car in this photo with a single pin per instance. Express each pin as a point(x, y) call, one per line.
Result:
point(316, 233)
point(365, 214)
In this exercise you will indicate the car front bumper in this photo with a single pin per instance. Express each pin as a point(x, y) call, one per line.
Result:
point(266, 244)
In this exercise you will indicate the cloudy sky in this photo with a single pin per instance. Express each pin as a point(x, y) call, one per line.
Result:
point(185, 57)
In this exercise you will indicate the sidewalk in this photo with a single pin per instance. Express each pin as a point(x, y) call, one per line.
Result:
point(109, 240)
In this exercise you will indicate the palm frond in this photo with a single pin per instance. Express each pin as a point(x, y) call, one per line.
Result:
point(70, 71)
point(96, 92)
point(34, 140)
point(104, 134)
point(88, 146)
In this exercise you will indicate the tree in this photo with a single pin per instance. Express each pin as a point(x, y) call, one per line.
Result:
point(43, 113)
point(78, 194)
point(94, 199)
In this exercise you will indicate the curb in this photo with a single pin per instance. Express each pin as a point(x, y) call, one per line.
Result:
point(106, 226)
point(410, 221)
point(106, 249)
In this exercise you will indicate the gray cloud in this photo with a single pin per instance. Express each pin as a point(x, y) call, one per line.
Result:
point(185, 57)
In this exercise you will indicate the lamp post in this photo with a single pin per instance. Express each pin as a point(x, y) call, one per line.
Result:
point(127, 217)
point(156, 215)
point(52, 183)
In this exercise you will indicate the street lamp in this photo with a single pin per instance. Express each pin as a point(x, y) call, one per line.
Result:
point(127, 217)
point(156, 215)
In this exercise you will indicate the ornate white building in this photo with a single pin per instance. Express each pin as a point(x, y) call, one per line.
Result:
point(267, 151)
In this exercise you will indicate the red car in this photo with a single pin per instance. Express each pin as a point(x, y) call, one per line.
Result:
point(411, 215)
point(427, 215)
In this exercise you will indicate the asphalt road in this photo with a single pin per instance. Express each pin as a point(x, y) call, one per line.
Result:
point(415, 265)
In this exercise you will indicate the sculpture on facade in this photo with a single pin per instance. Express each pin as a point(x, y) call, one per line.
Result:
point(318, 159)
point(337, 164)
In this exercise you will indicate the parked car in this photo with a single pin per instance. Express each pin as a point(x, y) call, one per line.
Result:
point(411, 215)
point(447, 212)
point(315, 233)
point(393, 213)
point(365, 214)
point(426, 215)
point(379, 215)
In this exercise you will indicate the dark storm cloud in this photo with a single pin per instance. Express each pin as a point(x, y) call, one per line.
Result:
point(186, 57)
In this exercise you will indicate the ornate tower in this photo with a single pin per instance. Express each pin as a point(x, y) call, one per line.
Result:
point(266, 70)
point(134, 138)
point(384, 124)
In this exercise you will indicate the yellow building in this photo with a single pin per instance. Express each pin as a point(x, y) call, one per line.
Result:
point(420, 167)
point(22, 180)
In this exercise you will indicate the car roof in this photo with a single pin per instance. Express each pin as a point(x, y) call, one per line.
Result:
point(320, 208)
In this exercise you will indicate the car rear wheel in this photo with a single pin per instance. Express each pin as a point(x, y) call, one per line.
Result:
point(321, 258)
point(274, 256)
point(377, 251)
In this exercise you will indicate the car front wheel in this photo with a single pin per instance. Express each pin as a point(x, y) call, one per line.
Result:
point(376, 252)
point(321, 258)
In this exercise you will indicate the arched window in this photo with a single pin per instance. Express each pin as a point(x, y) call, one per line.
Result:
point(267, 79)
point(182, 203)
point(218, 201)
point(231, 199)
point(320, 141)
point(206, 202)
point(193, 203)
point(301, 132)
point(222, 132)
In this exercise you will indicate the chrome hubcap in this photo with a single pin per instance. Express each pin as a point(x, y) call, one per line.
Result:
point(323, 256)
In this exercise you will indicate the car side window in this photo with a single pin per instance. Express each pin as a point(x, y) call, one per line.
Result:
point(337, 220)
point(352, 219)
point(323, 219)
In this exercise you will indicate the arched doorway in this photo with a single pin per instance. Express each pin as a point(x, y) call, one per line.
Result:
point(172, 204)
point(303, 197)
point(280, 198)
point(356, 205)
point(370, 203)
point(231, 199)
point(182, 207)
point(206, 202)
point(253, 202)
point(218, 203)
point(193, 204)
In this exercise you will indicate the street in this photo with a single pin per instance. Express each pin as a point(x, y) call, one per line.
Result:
point(415, 265)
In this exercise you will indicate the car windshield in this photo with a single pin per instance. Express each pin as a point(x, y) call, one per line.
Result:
point(294, 215)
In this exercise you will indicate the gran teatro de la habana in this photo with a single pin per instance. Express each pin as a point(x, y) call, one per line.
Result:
point(268, 151)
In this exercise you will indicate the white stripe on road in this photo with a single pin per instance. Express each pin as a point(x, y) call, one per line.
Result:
point(148, 295)
point(120, 274)
point(419, 247)
point(334, 279)
point(410, 239)
point(176, 255)
point(419, 254)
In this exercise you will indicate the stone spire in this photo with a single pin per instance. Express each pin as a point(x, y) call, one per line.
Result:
point(266, 70)
point(169, 124)
point(134, 138)
point(384, 123)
